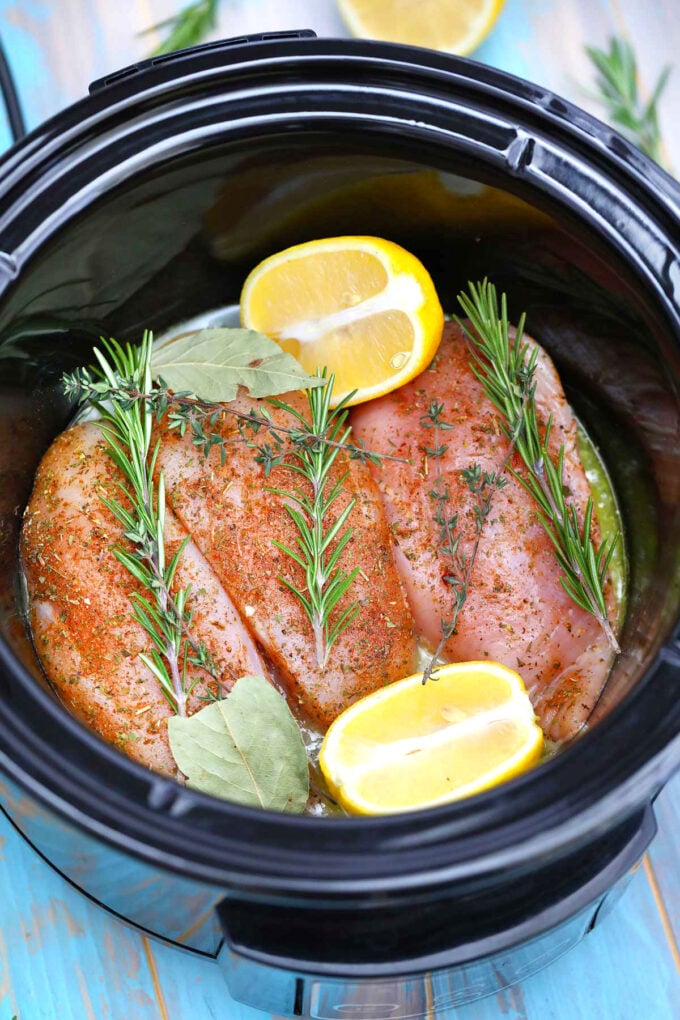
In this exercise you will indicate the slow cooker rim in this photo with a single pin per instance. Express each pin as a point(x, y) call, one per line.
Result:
point(662, 193)
point(159, 72)
point(408, 856)
point(436, 817)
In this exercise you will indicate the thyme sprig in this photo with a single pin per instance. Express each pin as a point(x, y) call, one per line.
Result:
point(617, 87)
point(200, 417)
point(184, 411)
point(506, 369)
point(483, 485)
point(127, 426)
point(320, 542)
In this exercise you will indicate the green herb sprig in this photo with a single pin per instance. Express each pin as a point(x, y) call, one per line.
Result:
point(320, 543)
point(200, 417)
point(308, 448)
point(188, 27)
point(506, 371)
point(126, 423)
point(185, 412)
point(617, 87)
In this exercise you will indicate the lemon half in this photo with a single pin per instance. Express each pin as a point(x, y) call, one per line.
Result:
point(363, 307)
point(412, 745)
point(454, 27)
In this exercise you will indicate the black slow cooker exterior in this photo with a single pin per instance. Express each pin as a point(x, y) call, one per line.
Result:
point(148, 202)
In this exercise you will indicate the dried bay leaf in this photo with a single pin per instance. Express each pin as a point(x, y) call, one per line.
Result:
point(246, 748)
point(213, 363)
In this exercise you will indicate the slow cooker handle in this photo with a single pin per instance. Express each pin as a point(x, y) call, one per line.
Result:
point(177, 56)
point(282, 958)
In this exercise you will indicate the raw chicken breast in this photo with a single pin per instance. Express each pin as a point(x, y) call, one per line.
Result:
point(517, 611)
point(233, 518)
point(80, 613)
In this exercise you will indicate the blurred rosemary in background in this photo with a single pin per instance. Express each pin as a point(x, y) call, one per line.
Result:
point(188, 27)
point(617, 90)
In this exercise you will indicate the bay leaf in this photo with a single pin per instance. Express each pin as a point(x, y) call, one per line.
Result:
point(246, 748)
point(213, 363)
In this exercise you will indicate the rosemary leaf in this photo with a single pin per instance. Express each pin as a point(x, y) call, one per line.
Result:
point(113, 388)
point(506, 371)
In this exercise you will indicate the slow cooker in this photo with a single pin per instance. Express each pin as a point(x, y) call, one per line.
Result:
point(147, 203)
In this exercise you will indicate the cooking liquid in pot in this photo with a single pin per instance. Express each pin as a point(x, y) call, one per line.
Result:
point(320, 801)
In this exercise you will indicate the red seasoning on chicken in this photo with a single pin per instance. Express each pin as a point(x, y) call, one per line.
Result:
point(80, 610)
point(517, 612)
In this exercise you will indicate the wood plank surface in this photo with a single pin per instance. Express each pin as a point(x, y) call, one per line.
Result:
point(61, 958)
point(664, 864)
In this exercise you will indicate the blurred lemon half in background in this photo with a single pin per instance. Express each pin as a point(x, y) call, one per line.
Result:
point(454, 26)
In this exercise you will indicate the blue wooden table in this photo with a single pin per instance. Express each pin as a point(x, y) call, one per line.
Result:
point(62, 958)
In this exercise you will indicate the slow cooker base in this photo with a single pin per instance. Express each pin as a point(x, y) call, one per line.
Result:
point(103, 906)
point(406, 998)
point(410, 997)
point(252, 955)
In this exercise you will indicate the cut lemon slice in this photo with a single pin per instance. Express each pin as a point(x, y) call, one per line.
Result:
point(363, 307)
point(438, 24)
point(412, 745)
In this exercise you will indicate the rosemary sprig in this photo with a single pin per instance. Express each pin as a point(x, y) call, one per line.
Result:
point(127, 426)
point(319, 544)
point(617, 85)
point(188, 27)
point(483, 485)
point(506, 370)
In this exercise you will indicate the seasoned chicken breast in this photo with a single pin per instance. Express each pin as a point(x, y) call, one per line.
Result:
point(516, 610)
point(234, 519)
point(79, 599)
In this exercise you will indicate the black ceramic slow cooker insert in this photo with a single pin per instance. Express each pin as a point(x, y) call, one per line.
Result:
point(148, 203)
